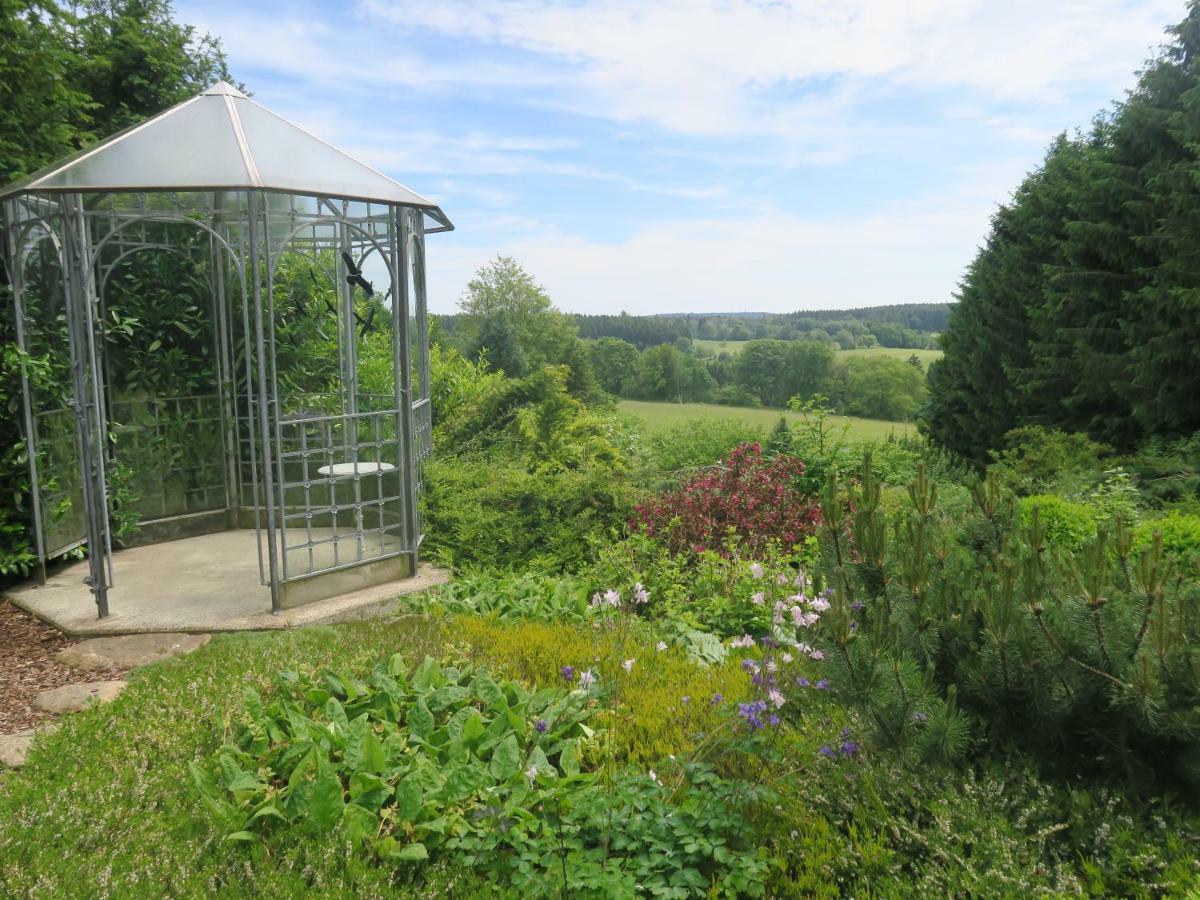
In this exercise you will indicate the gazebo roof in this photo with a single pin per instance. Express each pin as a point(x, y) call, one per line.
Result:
point(219, 140)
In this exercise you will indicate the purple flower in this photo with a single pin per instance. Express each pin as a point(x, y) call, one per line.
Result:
point(773, 721)
point(752, 712)
point(685, 699)
point(858, 605)
point(844, 733)
point(822, 685)
point(827, 752)
point(568, 673)
point(540, 726)
point(802, 682)
point(749, 665)
point(849, 748)
point(717, 698)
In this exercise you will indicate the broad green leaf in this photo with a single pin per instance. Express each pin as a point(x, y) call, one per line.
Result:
point(428, 675)
point(241, 836)
point(408, 800)
point(369, 791)
point(396, 666)
point(506, 759)
point(359, 823)
point(420, 720)
point(569, 758)
point(473, 729)
point(326, 802)
point(373, 757)
point(356, 735)
point(336, 714)
point(447, 696)
point(488, 691)
point(390, 848)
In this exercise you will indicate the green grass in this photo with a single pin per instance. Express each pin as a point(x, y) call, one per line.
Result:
point(659, 416)
point(733, 348)
point(925, 356)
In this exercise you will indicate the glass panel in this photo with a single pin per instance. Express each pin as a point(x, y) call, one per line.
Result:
point(160, 347)
point(60, 488)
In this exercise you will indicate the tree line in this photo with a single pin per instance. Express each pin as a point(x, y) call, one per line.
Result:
point(1082, 310)
point(766, 372)
point(508, 321)
point(909, 325)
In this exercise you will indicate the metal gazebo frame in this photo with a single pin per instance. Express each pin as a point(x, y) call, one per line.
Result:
point(329, 484)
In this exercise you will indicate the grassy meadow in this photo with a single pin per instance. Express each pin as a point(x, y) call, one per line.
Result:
point(733, 348)
point(659, 416)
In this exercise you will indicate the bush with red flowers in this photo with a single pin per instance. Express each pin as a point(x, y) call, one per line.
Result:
point(756, 497)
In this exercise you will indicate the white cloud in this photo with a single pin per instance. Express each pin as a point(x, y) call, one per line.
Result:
point(766, 261)
point(719, 68)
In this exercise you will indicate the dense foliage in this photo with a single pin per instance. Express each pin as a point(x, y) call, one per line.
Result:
point(1081, 310)
point(71, 74)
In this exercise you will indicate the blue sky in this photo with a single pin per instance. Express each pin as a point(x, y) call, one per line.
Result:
point(697, 156)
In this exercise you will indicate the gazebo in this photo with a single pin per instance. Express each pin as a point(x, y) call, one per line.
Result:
point(224, 324)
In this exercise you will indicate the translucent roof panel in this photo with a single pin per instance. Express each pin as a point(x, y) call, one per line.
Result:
point(288, 156)
point(220, 139)
point(194, 146)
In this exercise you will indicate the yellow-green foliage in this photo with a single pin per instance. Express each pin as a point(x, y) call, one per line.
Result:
point(651, 721)
point(1067, 524)
point(1180, 536)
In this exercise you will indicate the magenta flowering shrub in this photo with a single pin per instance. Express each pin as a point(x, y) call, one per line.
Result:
point(755, 497)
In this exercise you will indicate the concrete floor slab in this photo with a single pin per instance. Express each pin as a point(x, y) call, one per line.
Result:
point(195, 585)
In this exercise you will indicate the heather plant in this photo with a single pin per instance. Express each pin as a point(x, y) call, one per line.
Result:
point(755, 498)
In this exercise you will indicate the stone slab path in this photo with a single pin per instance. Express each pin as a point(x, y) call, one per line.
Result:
point(15, 747)
point(75, 697)
point(106, 654)
point(130, 650)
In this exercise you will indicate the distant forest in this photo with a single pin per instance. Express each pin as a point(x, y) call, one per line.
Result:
point(910, 325)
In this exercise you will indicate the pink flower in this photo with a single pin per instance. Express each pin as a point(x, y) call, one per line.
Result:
point(756, 570)
point(775, 697)
point(758, 598)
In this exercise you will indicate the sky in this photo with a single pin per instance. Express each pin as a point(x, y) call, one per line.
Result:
point(670, 156)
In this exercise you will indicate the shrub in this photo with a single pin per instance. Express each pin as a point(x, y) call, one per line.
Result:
point(748, 495)
point(1180, 539)
point(1037, 460)
point(698, 442)
point(1067, 524)
point(492, 512)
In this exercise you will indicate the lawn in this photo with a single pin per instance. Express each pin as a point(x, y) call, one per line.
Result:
point(733, 348)
point(658, 416)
